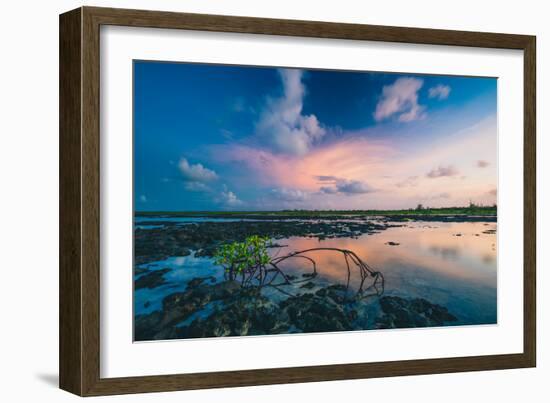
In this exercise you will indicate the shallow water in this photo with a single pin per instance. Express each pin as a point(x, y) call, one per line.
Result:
point(451, 264)
point(431, 261)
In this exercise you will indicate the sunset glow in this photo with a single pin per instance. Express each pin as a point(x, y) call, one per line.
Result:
point(247, 138)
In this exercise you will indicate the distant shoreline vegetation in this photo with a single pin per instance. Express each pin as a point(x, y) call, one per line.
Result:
point(472, 210)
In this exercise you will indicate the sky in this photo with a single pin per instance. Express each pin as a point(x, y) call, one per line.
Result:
point(242, 138)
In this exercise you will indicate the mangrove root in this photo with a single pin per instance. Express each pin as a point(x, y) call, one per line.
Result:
point(271, 275)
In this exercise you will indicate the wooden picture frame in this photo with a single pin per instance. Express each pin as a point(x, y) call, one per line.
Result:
point(80, 199)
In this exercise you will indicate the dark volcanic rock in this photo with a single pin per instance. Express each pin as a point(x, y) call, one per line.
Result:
point(152, 279)
point(205, 237)
point(193, 283)
point(140, 270)
point(418, 312)
point(146, 326)
point(248, 314)
point(312, 313)
point(243, 311)
point(337, 292)
point(178, 306)
point(228, 309)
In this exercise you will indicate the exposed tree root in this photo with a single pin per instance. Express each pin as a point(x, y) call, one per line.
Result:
point(271, 275)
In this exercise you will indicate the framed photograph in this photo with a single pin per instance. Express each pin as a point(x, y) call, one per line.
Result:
point(251, 201)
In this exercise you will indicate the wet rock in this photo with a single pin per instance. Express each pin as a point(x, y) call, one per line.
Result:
point(178, 306)
point(195, 282)
point(244, 311)
point(146, 326)
point(152, 279)
point(337, 292)
point(249, 314)
point(198, 294)
point(276, 245)
point(205, 237)
point(312, 313)
point(418, 312)
point(228, 309)
point(362, 313)
point(140, 270)
point(206, 251)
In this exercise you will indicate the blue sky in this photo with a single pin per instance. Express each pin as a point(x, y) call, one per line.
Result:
point(214, 137)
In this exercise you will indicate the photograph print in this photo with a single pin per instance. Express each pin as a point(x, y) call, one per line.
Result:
point(276, 201)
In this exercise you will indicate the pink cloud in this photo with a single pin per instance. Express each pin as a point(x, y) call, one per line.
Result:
point(370, 173)
point(442, 171)
point(353, 161)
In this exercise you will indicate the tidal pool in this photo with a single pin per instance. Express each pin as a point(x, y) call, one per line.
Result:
point(452, 264)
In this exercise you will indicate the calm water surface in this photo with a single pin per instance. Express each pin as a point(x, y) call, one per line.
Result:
point(451, 264)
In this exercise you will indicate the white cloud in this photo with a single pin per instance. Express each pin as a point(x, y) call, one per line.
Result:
point(442, 171)
point(440, 92)
point(228, 198)
point(195, 172)
point(289, 194)
point(401, 99)
point(282, 123)
point(196, 187)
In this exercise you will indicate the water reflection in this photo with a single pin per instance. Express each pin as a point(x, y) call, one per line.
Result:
point(452, 264)
point(457, 271)
point(445, 253)
point(436, 250)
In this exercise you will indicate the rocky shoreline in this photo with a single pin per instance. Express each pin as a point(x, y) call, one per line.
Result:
point(176, 239)
point(207, 308)
point(213, 307)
